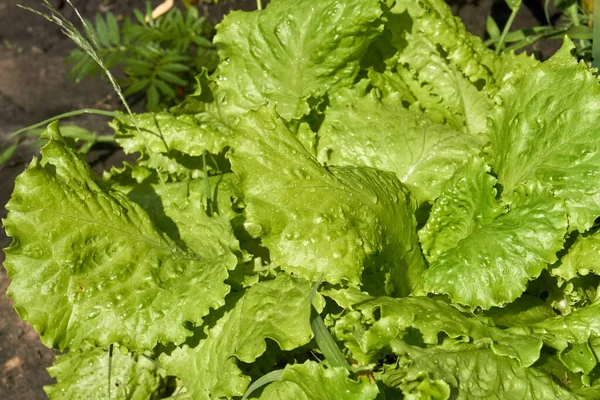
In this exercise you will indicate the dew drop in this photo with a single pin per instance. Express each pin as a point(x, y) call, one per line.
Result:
point(48, 288)
point(94, 313)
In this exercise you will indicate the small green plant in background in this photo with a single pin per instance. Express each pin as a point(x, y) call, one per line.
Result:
point(75, 133)
point(158, 58)
point(573, 20)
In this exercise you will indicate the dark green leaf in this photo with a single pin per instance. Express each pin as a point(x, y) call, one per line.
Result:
point(165, 89)
point(492, 28)
point(171, 78)
point(7, 153)
point(113, 29)
point(564, 4)
point(139, 16)
point(102, 36)
point(175, 67)
point(152, 97)
point(136, 86)
point(202, 42)
point(175, 58)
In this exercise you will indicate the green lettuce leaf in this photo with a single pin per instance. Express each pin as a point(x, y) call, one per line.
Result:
point(179, 208)
point(574, 294)
point(311, 381)
point(293, 50)
point(83, 374)
point(550, 135)
point(433, 20)
point(420, 386)
point(347, 224)
point(467, 202)
point(553, 367)
point(435, 65)
point(525, 310)
point(438, 344)
point(380, 322)
point(278, 309)
point(574, 336)
point(173, 144)
point(582, 258)
point(428, 58)
point(510, 66)
point(590, 393)
point(480, 254)
point(576, 328)
point(439, 88)
point(381, 133)
point(476, 373)
point(87, 263)
point(370, 157)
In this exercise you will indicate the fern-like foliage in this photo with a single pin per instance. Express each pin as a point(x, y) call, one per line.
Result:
point(158, 58)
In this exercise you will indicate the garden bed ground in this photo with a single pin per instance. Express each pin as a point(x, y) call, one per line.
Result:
point(34, 86)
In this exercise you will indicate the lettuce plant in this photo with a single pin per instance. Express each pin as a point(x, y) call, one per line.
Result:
point(365, 162)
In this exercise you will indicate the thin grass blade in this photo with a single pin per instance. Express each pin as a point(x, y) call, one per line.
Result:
point(327, 345)
point(262, 381)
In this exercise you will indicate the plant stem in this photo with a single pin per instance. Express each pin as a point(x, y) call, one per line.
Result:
point(207, 186)
point(509, 23)
point(67, 115)
point(259, 5)
point(272, 376)
point(110, 356)
point(546, 14)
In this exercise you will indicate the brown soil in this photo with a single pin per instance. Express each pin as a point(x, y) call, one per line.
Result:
point(34, 86)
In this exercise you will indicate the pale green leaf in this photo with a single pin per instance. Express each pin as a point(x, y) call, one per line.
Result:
point(494, 254)
point(262, 381)
point(438, 67)
point(476, 373)
point(312, 381)
point(583, 258)
point(514, 4)
point(293, 50)
point(525, 310)
point(433, 336)
point(83, 374)
point(574, 329)
point(420, 386)
point(87, 263)
point(369, 336)
point(467, 202)
point(491, 27)
point(179, 209)
point(348, 224)
point(171, 144)
point(433, 22)
point(547, 128)
point(440, 88)
point(278, 309)
point(381, 133)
